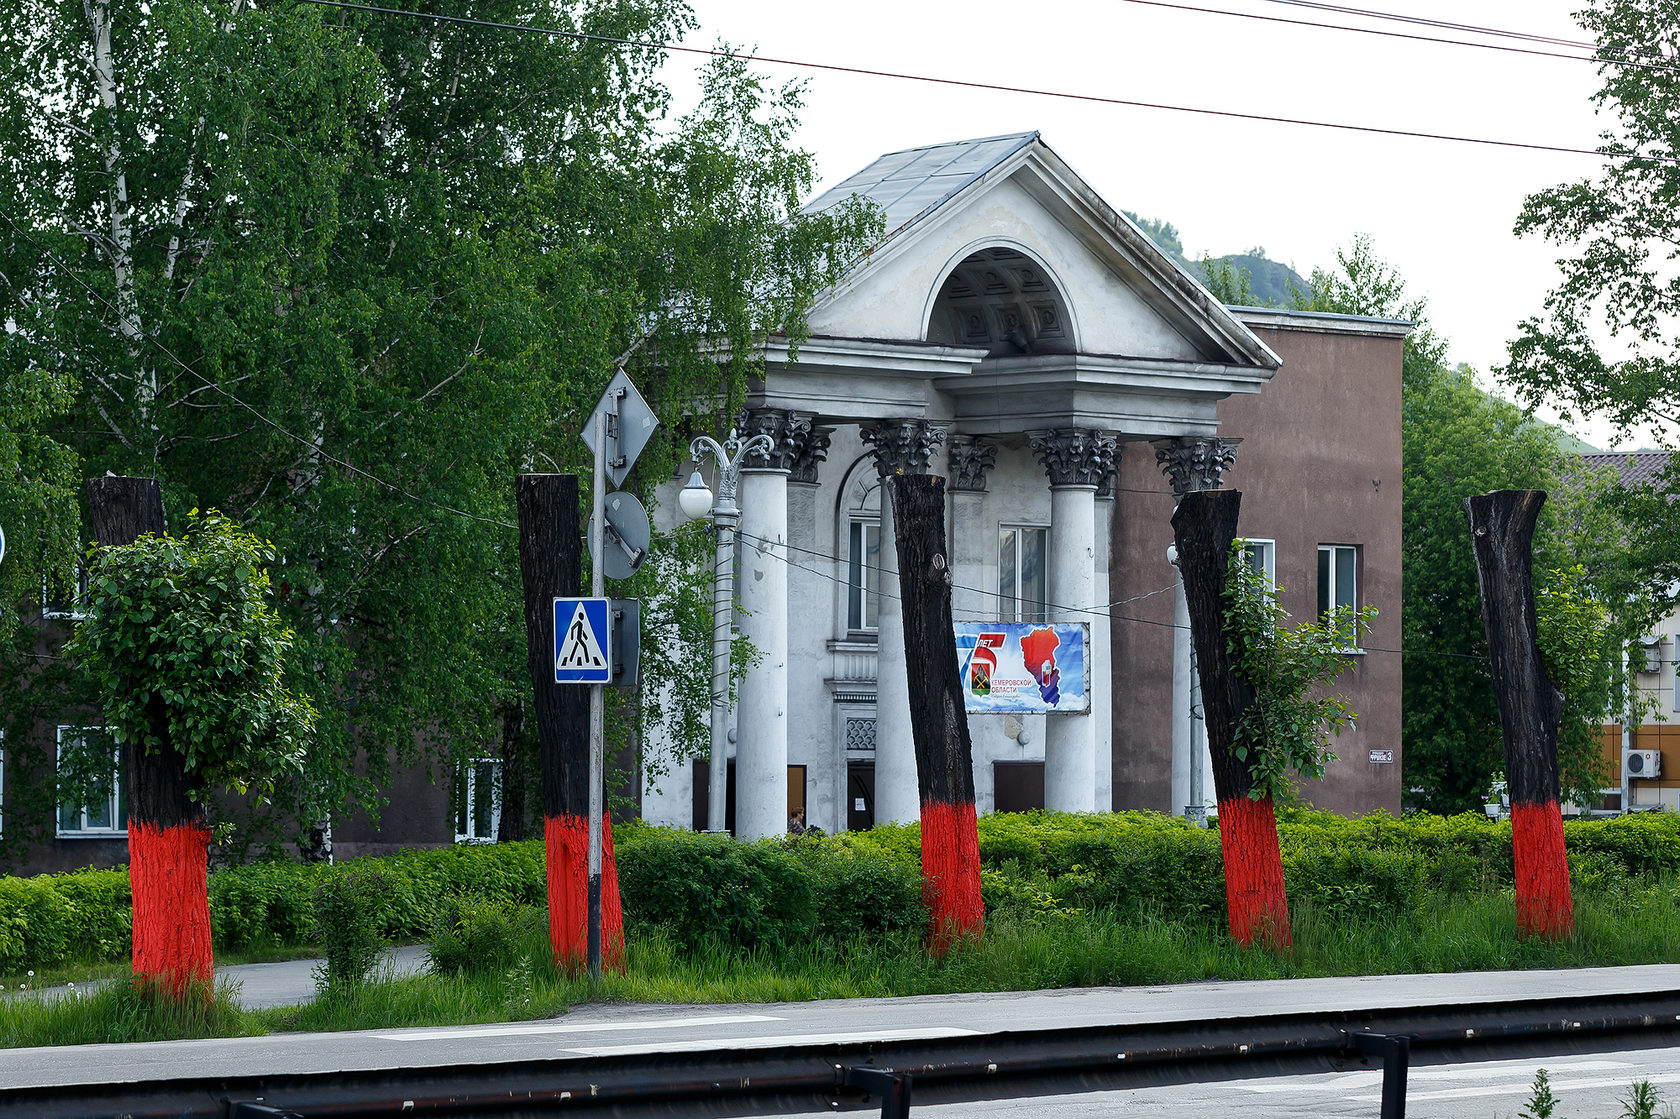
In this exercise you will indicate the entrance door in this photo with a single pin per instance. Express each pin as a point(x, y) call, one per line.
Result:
point(860, 796)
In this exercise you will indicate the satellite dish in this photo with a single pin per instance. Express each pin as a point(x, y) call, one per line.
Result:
point(2, 544)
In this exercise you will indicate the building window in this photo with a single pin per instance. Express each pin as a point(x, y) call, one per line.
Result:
point(863, 591)
point(90, 800)
point(1021, 551)
point(1262, 557)
point(478, 801)
point(1338, 586)
point(67, 603)
point(860, 734)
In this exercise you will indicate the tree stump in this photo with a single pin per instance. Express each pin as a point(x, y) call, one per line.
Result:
point(551, 566)
point(168, 840)
point(1204, 526)
point(938, 717)
point(1530, 706)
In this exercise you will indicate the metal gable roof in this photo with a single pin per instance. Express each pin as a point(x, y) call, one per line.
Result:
point(1636, 467)
point(911, 184)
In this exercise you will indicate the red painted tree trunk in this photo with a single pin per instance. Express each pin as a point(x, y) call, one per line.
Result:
point(938, 720)
point(1257, 905)
point(166, 874)
point(567, 848)
point(168, 843)
point(551, 564)
point(1530, 706)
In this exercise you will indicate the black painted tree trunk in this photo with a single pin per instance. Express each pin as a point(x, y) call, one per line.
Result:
point(1204, 527)
point(938, 716)
point(551, 566)
point(168, 842)
point(1530, 706)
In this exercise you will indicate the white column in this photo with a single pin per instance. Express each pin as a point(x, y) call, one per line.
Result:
point(897, 800)
point(1070, 753)
point(1180, 694)
point(761, 713)
point(1101, 658)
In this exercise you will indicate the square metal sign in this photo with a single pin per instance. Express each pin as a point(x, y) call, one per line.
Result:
point(628, 433)
point(583, 641)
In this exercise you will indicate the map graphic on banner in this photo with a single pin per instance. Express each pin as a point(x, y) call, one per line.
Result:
point(1024, 666)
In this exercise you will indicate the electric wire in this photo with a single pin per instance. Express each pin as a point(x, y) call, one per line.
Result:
point(1417, 37)
point(311, 444)
point(762, 544)
point(967, 83)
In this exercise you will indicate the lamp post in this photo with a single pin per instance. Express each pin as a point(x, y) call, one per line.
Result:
point(695, 500)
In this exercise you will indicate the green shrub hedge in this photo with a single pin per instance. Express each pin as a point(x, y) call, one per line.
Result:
point(775, 893)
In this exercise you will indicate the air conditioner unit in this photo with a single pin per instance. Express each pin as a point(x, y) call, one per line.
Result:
point(1641, 764)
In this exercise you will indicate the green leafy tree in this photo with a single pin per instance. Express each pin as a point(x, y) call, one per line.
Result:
point(1284, 734)
point(1617, 230)
point(1458, 441)
point(343, 275)
point(188, 661)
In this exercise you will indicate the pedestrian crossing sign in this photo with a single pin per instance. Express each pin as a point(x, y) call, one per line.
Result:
point(582, 641)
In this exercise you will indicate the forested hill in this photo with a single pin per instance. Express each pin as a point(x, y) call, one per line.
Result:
point(1270, 282)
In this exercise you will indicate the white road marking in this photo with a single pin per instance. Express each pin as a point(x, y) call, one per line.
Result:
point(537, 1029)
point(1340, 1082)
point(697, 1045)
point(1524, 1089)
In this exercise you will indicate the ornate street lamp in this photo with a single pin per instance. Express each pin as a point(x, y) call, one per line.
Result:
point(695, 501)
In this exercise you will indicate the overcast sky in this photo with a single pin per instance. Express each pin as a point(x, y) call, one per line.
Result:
point(1439, 212)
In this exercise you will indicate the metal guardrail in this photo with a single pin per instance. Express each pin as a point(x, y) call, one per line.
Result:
point(882, 1075)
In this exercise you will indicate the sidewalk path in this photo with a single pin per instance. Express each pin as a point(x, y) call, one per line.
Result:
point(286, 983)
point(290, 982)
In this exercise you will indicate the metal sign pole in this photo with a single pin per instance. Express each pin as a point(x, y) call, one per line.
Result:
point(597, 706)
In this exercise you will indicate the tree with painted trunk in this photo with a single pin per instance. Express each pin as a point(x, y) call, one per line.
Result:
point(1265, 730)
point(551, 564)
point(189, 660)
point(1530, 705)
point(938, 719)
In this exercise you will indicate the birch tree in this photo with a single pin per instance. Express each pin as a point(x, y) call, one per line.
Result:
point(342, 275)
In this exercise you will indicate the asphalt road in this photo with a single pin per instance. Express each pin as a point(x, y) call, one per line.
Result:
point(602, 1030)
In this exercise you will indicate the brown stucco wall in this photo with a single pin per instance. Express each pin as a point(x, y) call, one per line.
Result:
point(1319, 464)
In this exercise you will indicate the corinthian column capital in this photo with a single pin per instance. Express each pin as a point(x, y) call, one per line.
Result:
point(789, 434)
point(902, 446)
point(1075, 456)
point(1195, 463)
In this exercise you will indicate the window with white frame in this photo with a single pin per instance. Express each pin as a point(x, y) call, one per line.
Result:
point(90, 794)
point(65, 602)
point(863, 583)
point(478, 801)
point(1338, 581)
point(1021, 558)
point(1262, 557)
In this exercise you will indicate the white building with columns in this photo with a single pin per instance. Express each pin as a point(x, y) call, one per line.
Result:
point(1018, 335)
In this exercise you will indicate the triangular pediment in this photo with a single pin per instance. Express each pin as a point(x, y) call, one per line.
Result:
point(999, 238)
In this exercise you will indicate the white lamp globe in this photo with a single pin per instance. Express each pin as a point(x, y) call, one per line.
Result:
point(695, 500)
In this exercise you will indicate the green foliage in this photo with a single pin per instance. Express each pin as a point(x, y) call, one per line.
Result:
point(1584, 662)
point(347, 907)
point(484, 934)
point(124, 1012)
point(55, 919)
point(1615, 233)
point(1228, 283)
point(1641, 1101)
point(1458, 441)
point(1541, 1102)
point(1285, 731)
point(390, 287)
point(186, 653)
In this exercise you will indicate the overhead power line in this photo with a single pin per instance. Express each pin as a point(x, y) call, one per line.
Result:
point(1569, 55)
point(966, 83)
point(1471, 28)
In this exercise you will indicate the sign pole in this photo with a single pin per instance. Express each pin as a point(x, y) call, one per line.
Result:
point(597, 706)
